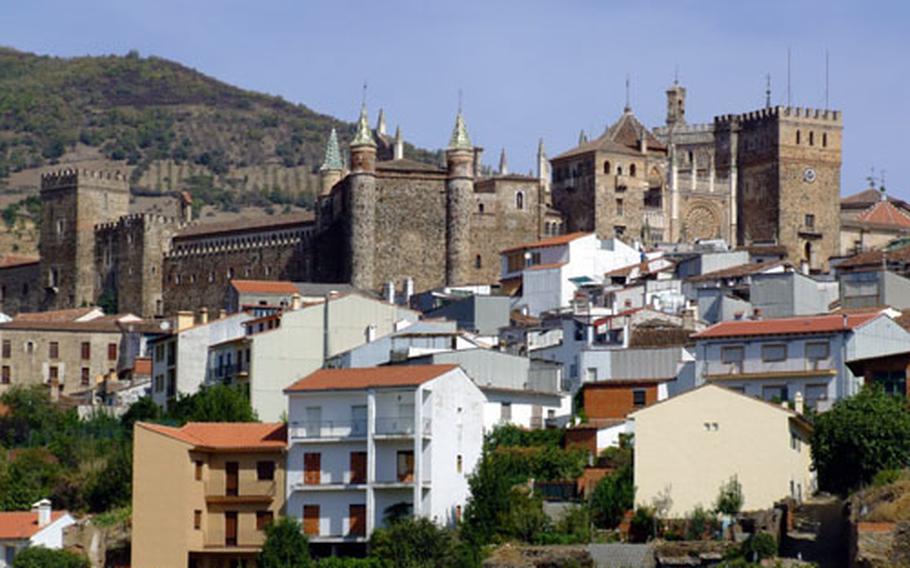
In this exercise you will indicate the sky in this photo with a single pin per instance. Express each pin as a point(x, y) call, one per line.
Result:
point(526, 69)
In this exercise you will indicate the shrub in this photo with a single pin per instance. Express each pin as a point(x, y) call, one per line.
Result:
point(612, 497)
point(699, 524)
point(730, 498)
point(40, 557)
point(759, 546)
point(641, 528)
point(285, 546)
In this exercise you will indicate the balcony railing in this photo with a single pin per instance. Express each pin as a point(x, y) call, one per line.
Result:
point(328, 429)
point(400, 425)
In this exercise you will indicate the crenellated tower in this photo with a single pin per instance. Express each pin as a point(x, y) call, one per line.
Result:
point(459, 203)
point(362, 187)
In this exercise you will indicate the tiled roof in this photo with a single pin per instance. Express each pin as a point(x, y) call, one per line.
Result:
point(407, 165)
point(627, 131)
point(877, 258)
point(556, 241)
point(885, 213)
point(11, 260)
point(226, 435)
point(601, 144)
point(246, 224)
point(19, 525)
point(827, 323)
point(370, 377)
point(868, 197)
point(644, 267)
point(103, 326)
point(264, 286)
point(738, 271)
point(71, 314)
point(546, 266)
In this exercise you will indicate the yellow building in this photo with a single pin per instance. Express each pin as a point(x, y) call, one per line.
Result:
point(688, 446)
point(204, 493)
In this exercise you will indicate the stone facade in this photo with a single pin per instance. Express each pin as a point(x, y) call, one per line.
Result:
point(19, 284)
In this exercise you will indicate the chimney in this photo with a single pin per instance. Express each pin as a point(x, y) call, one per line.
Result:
point(296, 301)
point(388, 292)
point(799, 403)
point(203, 316)
point(756, 314)
point(222, 313)
point(184, 320)
point(738, 316)
point(408, 290)
point(643, 142)
point(43, 508)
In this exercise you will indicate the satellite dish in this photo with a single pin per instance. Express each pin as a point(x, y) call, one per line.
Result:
point(165, 325)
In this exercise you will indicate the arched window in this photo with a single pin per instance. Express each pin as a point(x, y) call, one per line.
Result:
point(607, 167)
point(632, 170)
point(619, 170)
point(824, 139)
point(520, 200)
point(478, 262)
point(811, 138)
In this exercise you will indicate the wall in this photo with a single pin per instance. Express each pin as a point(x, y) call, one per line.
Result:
point(20, 288)
point(603, 400)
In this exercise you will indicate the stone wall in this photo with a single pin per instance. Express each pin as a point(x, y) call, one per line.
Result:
point(19, 288)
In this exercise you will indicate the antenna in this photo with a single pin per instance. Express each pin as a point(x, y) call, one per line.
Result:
point(882, 179)
point(826, 79)
point(871, 177)
point(459, 101)
point(768, 90)
point(788, 76)
point(628, 105)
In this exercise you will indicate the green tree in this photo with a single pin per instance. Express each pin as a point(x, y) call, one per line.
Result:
point(29, 477)
point(40, 557)
point(112, 486)
point(413, 543)
point(859, 437)
point(285, 546)
point(217, 403)
point(489, 501)
point(612, 497)
point(730, 497)
point(143, 410)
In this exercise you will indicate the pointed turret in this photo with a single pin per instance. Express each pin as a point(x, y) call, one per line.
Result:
point(503, 163)
point(332, 159)
point(363, 136)
point(460, 139)
point(399, 145)
point(380, 124)
point(582, 137)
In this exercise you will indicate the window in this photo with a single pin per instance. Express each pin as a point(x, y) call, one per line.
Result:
point(505, 411)
point(52, 374)
point(86, 350)
point(25, 289)
point(53, 278)
point(591, 374)
point(357, 520)
point(810, 221)
point(9, 554)
point(520, 200)
point(405, 465)
point(619, 170)
point(775, 352)
point(112, 351)
point(85, 376)
point(824, 139)
point(457, 513)
point(312, 468)
point(797, 136)
point(817, 350)
point(265, 470)
point(458, 463)
point(815, 394)
point(639, 397)
point(263, 519)
point(478, 262)
point(197, 519)
point(53, 350)
point(198, 470)
point(232, 479)
point(619, 208)
point(230, 528)
point(775, 393)
point(632, 170)
point(61, 225)
point(311, 520)
point(5, 375)
point(732, 354)
point(480, 208)
point(893, 382)
point(29, 347)
point(811, 138)
point(607, 167)
point(795, 443)
point(7, 348)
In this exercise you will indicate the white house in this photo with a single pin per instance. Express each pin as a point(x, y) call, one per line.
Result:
point(363, 443)
point(550, 271)
point(39, 527)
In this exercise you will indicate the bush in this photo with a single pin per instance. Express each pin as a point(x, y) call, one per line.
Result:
point(887, 477)
point(730, 498)
point(413, 543)
point(699, 524)
point(612, 497)
point(285, 546)
point(641, 528)
point(759, 546)
point(40, 557)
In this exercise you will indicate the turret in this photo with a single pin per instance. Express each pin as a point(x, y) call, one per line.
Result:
point(503, 163)
point(332, 165)
point(543, 167)
point(676, 104)
point(380, 124)
point(582, 137)
point(399, 145)
point(459, 203)
point(363, 204)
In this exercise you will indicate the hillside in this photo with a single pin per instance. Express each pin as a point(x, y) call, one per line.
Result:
point(171, 127)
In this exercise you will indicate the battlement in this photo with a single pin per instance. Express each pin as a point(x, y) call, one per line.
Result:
point(135, 220)
point(69, 178)
point(778, 112)
point(679, 129)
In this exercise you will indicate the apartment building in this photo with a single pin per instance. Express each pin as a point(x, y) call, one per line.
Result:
point(367, 443)
point(204, 493)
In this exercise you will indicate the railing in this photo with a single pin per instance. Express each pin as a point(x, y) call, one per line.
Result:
point(328, 429)
point(403, 425)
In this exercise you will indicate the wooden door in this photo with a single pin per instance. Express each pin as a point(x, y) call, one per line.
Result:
point(358, 467)
point(230, 528)
point(311, 520)
point(231, 478)
point(406, 465)
point(358, 520)
point(312, 468)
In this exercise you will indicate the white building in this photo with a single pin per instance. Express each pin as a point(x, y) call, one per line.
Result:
point(179, 360)
point(366, 442)
point(39, 527)
point(548, 273)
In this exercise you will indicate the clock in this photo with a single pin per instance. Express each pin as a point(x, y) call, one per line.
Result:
point(809, 175)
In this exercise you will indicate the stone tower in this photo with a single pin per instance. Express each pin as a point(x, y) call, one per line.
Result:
point(676, 105)
point(73, 202)
point(362, 179)
point(543, 170)
point(332, 166)
point(459, 203)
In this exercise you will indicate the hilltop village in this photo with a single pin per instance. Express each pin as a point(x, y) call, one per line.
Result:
point(631, 355)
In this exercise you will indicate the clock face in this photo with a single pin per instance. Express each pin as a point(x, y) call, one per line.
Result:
point(809, 175)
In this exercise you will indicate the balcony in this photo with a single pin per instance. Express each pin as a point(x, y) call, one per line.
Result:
point(328, 429)
point(400, 426)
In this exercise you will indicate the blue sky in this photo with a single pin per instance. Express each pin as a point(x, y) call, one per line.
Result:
point(528, 69)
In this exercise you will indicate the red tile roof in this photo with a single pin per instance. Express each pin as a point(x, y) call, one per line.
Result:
point(264, 286)
point(786, 326)
point(877, 258)
point(885, 213)
point(20, 525)
point(739, 271)
point(868, 197)
point(11, 260)
point(226, 435)
point(556, 241)
point(370, 377)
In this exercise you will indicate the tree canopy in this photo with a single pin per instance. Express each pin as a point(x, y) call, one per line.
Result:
point(285, 546)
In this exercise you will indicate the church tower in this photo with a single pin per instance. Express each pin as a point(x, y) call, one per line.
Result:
point(459, 203)
point(362, 189)
point(676, 105)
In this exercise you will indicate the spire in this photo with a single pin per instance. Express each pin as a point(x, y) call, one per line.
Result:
point(332, 154)
point(363, 136)
point(460, 139)
point(399, 145)
point(503, 163)
point(628, 107)
point(540, 150)
point(582, 137)
point(380, 123)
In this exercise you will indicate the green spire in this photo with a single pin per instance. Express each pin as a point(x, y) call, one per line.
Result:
point(460, 139)
point(363, 137)
point(332, 154)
